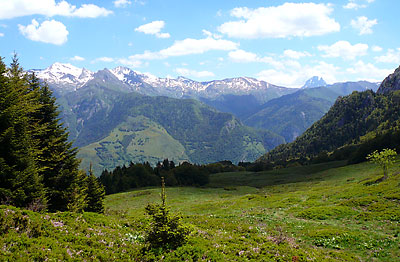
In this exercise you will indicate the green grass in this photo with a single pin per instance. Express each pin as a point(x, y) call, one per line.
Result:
point(325, 212)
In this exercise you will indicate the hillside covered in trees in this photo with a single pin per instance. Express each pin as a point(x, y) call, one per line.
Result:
point(355, 126)
point(39, 169)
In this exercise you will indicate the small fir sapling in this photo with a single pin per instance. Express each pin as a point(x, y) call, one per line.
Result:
point(166, 230)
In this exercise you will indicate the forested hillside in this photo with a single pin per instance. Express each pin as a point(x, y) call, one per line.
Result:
point(290, 115)
point(355, 126)
point(113, 127)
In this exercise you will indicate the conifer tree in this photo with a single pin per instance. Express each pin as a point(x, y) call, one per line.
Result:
point(57, 159)
point(20, 180)
point(95, 194)
point(38, 165)
point(166, 230)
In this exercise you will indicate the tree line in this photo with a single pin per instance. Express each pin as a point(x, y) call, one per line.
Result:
point(143, 174)
point(39, 169)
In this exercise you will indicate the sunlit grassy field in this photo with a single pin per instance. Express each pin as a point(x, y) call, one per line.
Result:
point(325, 212)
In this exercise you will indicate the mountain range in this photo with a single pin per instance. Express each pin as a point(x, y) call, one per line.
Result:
point(66, 77)
point(246, 98)
point(109, 135)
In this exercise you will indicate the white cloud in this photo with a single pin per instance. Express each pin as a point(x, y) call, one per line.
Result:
point(140, 2)
point(122, 3)
point(344, 49)
point(356, 4)
point(52, 32)
point(104, 59)
point(376, 48)
point(153, 28)
point(295, 77)
point(147, 55)
point(163, 35)
point(1, 34)
point(287, 20)
point(363, 25)
point(90, 11)
point(192, 73)
point(190, 46)
point(209, 34)
point(280, 78)
point(130, 62)
point(77, 58)
point(242, 56)
point(295, 54)
point(369, 72)
point(392, 56)
point(184, 47)
point(17, 8)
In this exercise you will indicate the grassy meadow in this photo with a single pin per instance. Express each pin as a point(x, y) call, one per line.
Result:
point(324, 212)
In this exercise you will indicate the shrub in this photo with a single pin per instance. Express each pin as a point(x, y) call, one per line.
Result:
point(384, 159)
point(166, 230)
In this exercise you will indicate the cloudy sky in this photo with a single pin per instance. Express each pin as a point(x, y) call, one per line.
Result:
point(283, 43)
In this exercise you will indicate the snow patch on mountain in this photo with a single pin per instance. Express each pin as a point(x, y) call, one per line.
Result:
point(65, 75)
point(66, 78)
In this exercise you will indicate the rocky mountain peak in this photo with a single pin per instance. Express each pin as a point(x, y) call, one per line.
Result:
point(65, 75)
point(390, 83)
point(314, 81)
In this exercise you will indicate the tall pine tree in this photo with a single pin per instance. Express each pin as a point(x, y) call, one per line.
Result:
point(20, 180)
point(38, 165)
point(57, 159)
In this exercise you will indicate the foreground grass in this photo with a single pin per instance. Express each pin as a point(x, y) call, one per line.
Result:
point(326, 212)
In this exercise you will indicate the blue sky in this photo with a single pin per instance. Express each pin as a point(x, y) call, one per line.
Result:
point(283, 43)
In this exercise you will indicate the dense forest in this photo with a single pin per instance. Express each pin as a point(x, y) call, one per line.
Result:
point(39, 169)
point(144, 175)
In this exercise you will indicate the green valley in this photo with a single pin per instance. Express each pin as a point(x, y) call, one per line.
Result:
point(324, 212)
point(113, 128)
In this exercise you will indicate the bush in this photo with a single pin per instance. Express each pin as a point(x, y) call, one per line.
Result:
point(384, 159)
point(166, 230)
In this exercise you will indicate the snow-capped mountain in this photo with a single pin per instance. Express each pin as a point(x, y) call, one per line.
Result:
point(314, 81)
point(65, 76)
point(183, 87)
